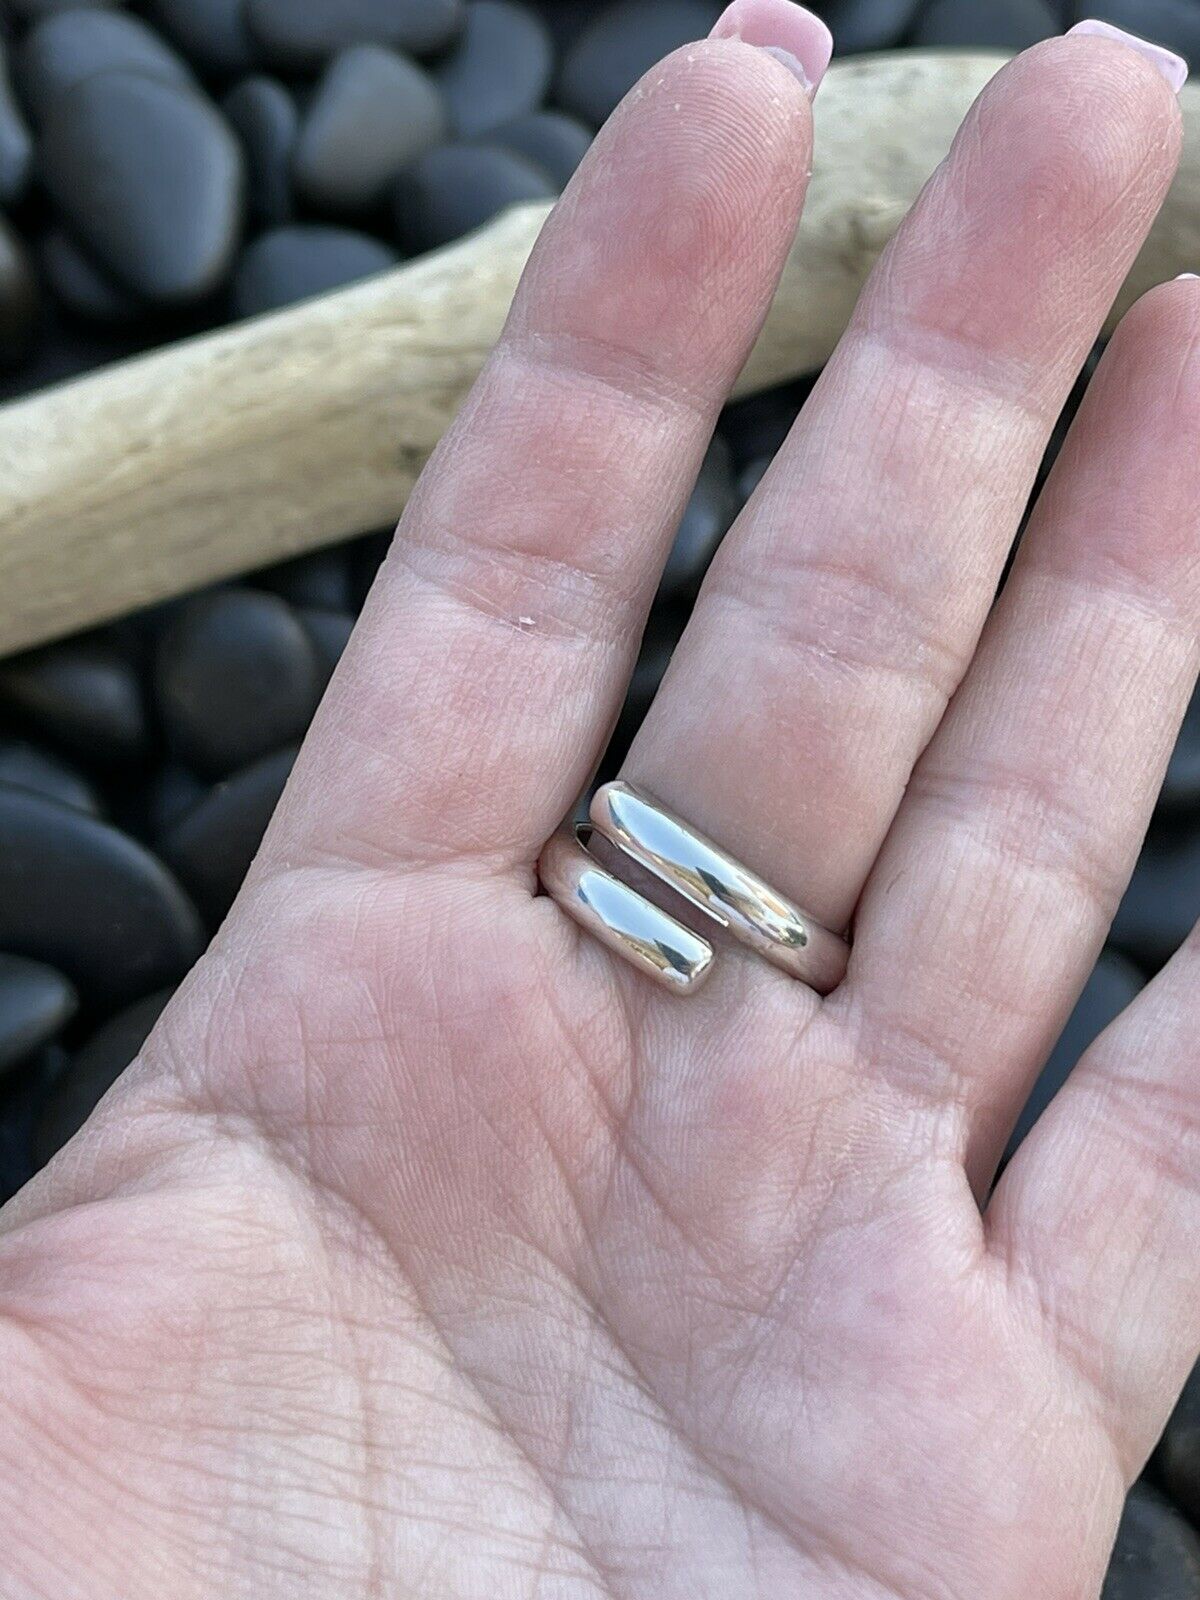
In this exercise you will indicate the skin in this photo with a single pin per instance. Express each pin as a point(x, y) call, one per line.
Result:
point(428, 1250)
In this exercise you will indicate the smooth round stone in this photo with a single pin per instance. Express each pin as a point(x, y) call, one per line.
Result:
point(553, 141)
point(265, 118)
point(65, 346)
point(212, 33)
point(320, 579)
point(31, 10)
point(1181, 786)
point(1114, 984)
point(150, 177)
point(172, 790)
point(330, 632)
point(1174, 23)
point(83, 287)
point(27, 766)
point(302, 34)
point(1162, 902)
point(299, 261)
point(458, 187)
point(65, 49)
point(1000, 25)
point(751, 475)
point(211, 845)
point(237, 676)
point(36, 1002)
point(372, 113)
point(859, 25)
point(1157, 1555)
point(19, 298)
point(1178, 1459)
point(16, 141)
point(758, 425)
point(86, 898)
point(498, 68)
point(83, 697)
point(711, 509)
point(89, 1076)
point(623, 42)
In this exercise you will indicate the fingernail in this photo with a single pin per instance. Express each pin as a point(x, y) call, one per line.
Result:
point(788, 32)
point(1184, 277)
point(1173, 68)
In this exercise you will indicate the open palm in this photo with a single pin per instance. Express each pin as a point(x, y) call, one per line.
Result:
point(429, 1251)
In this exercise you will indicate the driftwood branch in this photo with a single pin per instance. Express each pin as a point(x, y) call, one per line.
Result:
point(222, 453)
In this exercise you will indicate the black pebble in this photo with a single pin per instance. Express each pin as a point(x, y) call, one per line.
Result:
point(1114, 983)
point(302, 34)
point(26, 766)
point(499, 67)
point(212, 33)
point(1174, 23)
point(82, 286)
point(31, 10)
point(65, 49)
point(89, 900)
point(712, 507)
point(1157, 1556)
point(859, 25)
point(330, 632)
point(236, 676)
point(320, 579)
point(65, 347)
point(150, 177)
point(372, 113)
point(19, 298)
point(623, 42)
point(553, 141)
point(36, 1002)
point(457, 187)
point(999, 25)
point(83, 697)
point(1162, 901)
point(1181, 786)
point(264, 116)
point(172, 790)
point(294, 263)
point(16, 142)
point(91, 1074)
point(1178, 1459)
point(751, 475)
point(212, 845)
point(758, 425)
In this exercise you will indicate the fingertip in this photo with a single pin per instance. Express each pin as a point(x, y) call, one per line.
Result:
point(790, 33)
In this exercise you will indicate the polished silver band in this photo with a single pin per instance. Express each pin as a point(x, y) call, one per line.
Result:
point(703, 874)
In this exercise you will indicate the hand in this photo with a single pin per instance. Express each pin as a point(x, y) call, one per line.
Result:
point(429, 1250)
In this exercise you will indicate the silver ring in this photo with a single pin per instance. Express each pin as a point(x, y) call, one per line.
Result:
point(705, 875)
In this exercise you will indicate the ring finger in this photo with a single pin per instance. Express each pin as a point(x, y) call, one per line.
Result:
point(845, 606)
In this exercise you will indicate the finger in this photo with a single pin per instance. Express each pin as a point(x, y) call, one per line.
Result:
point(843, 608)
point(489, 664)
point(1098, 1215)
point(995, 891)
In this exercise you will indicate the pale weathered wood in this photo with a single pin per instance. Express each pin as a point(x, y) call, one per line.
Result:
point(222, 453)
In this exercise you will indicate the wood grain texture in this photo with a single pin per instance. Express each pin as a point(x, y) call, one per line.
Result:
point(222, 453)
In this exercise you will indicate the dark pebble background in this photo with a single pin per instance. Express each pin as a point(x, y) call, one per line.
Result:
point(169, 166)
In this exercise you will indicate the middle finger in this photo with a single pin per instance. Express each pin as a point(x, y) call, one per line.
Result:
point(845, 605)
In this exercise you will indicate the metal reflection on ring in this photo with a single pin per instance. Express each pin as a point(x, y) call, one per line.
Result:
point(691, 864)
point(629, 924)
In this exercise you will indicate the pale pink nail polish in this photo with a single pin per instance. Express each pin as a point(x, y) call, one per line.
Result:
point(1173, 68)
point(790, 33)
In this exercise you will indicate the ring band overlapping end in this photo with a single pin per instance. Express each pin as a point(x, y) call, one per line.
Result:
point(705, 875)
